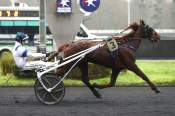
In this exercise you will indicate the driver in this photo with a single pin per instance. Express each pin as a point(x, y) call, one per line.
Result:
point(21, 54)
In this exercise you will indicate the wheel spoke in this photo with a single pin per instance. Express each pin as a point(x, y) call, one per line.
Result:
point(40, 88)
point(58, 90)
point(44, 96)
point(54, 98)
point(55, 95)
point(47, 81)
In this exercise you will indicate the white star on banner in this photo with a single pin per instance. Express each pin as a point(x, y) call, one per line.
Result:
point(90, 2)
point(64, 3)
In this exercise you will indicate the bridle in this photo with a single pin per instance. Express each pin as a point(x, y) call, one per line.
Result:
point(148, 32)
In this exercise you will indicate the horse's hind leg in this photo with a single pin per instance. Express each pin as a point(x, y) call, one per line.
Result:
point(114, 76)
point(133, 67)
point(84, 71)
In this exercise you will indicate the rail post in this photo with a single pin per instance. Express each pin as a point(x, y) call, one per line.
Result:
point(42, 27)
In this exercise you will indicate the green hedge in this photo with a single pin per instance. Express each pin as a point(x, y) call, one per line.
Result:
point(94, 72)
point(7, 63)
point(7, 66)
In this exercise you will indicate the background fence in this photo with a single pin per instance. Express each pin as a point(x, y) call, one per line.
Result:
point(116, 14)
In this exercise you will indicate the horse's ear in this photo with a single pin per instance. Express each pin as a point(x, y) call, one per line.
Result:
point(142, 22)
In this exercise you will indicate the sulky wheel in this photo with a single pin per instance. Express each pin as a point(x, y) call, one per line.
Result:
point(55, 95)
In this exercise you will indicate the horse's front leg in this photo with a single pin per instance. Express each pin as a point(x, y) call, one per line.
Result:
point(133, 67)
point(84, 71)
point(114, 76)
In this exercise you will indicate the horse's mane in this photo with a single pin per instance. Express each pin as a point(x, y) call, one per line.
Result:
point(134, 27)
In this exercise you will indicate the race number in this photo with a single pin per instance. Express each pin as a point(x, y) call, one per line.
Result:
point(112, 45)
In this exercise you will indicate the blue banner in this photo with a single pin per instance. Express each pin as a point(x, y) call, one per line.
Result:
point(64, 6)
point(89, 5)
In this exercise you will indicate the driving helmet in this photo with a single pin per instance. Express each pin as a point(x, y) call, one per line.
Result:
point(20, 36)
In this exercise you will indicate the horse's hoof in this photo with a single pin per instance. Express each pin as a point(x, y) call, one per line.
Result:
point(97, 95)
point(157, 91)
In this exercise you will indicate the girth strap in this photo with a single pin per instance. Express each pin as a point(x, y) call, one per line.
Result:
point(113, 58)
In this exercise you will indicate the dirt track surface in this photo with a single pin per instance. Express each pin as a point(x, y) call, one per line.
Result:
point(118, 101)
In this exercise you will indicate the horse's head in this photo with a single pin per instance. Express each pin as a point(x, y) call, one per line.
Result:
point(148, 32)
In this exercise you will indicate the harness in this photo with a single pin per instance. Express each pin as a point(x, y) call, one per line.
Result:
point(132, 47)
point(113, 50)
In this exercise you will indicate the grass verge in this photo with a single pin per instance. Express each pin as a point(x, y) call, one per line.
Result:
point(161, 72)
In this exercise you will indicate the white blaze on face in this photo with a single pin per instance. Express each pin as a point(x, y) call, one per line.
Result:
point(90, 2)
point(64, 3)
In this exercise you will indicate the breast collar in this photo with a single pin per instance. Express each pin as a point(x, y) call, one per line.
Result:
point(132, 47)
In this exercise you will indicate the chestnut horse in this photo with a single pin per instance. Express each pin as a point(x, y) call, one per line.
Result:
point(122, 58)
